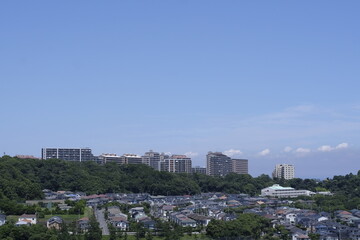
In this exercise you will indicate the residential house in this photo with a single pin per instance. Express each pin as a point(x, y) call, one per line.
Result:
point(200, 219)
point(136, 210)
point(182, 220)
point(290, 218)
point(83, 224)
point(30, 218)
point(54, 222)
point(166, 210)
point(298, 234)
point(120, 223)
point(148, 223)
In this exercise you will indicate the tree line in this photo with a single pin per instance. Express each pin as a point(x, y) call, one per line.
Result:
point(24, 179)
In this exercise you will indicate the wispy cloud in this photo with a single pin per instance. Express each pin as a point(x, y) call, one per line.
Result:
point(325, 148)
point(342, 146)
point(328, 148)
point(302, 150)
point(191, 154)
point(287, 149)
point(232, 152)
point(264, 152)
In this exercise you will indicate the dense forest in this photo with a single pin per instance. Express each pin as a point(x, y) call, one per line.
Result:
point(22, 179)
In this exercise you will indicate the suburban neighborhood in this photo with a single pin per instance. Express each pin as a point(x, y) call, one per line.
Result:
point(195, 212)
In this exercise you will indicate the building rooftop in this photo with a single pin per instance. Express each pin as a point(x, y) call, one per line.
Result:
point(278, 187)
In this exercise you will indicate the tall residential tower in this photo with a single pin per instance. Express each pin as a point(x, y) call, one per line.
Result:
point(285, 171)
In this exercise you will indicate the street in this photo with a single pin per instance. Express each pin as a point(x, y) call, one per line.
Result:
point(99, 214)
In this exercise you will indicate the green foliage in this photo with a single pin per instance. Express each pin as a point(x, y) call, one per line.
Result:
point(245, 226)
point(34, 232)
point(22, 179)
point(94, 232)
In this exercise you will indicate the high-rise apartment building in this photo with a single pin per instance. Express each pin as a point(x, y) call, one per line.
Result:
point(152, 159)
point(176, 164)
point(218, 164)
point(240, 166)
point(285, 171)
point(68, 154)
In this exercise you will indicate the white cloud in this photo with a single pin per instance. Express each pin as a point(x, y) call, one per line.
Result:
point(264, 152)
point(287, 149)
point(191, 154)
point(302, 150)
point(342, 146)
point(325, 148)
point(232, 152)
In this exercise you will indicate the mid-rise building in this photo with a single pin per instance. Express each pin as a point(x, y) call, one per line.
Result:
point(284, 192)
point(285, 171)
point(152, 159)
point(110, 157)
point(176, 164)
point(68, 154)
point(26, 157)
point(131, 159)
point(240, 166)
point(198, 169)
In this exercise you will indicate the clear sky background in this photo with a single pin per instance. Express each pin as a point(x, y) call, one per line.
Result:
point(271, 81)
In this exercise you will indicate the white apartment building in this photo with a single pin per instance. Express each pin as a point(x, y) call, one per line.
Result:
point(177, 164)
point(285, 171)
point(284, 192)
point(110, 157)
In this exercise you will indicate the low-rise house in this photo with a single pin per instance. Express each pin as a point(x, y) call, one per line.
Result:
point(299, 236)
point(354, 233)
point(138, 216)
point(182, 220)
point(148, 223)
point(120, 223)
point(330, 230)
point(290, 218)
point(2, 219)
point(23, 223)
point(297, 233)
point(200, 219)
point(54, 222)
point(83, 224)
point(30, 218)
point(166, 210)
point(136, 210)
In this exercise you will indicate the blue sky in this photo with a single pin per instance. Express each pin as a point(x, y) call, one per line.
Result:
point(247, 77)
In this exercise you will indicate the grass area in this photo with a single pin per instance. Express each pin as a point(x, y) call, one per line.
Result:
point(12, 218)
point(67, 217)
point(70, 218)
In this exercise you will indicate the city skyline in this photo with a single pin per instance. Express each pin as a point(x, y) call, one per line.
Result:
point(198, 160)
point(272, 82)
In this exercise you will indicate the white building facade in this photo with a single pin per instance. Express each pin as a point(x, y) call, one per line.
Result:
point(284, 192)
point(285, 171)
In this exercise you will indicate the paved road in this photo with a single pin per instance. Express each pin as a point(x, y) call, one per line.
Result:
point(99, 214)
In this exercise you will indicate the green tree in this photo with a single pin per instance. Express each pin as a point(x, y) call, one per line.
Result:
point(94, 231)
